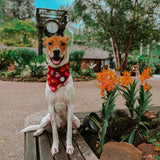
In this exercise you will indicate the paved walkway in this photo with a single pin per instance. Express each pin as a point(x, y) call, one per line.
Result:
point(20, 99)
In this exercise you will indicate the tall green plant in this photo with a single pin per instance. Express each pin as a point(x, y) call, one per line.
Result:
point(144, 99)
point(129, 93)
point(107, 111)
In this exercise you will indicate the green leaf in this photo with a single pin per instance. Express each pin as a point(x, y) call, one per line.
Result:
point(124, 137)
point(93, 125)
point(98, 124)
point(131, 137)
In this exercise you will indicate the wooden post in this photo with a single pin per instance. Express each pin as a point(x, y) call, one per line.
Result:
point(40, 42)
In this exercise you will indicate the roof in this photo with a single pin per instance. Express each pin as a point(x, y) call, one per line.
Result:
point(90, 53)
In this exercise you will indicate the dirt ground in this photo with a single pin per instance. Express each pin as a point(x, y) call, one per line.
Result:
point(20, 99)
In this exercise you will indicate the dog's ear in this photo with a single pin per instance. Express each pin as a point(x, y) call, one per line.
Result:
point(45, 41)
point(68, 38)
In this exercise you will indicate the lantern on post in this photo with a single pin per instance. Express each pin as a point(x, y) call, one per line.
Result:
point(50, 22)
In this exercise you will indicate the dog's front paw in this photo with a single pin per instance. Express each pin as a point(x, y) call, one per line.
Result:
point(54, 150)
point(70, 149)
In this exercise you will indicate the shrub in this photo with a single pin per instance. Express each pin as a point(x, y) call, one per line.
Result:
point(6, 56)
point(76, 58)
point(23, 57)
point(87, 72)
point(36, 67)
point(74, 74)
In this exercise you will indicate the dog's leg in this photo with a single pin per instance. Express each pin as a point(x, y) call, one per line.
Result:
point(75, 124)
point(55, 143)
point(69, 148)
point(45, 123)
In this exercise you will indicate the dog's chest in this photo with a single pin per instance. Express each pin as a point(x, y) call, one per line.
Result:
point(65, 94)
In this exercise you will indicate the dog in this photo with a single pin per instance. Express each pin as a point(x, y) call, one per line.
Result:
point(59, 94)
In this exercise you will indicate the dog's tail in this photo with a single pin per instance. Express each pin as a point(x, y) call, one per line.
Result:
point(31, 128)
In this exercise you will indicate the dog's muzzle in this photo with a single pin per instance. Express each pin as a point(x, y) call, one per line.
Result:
point(56, 59)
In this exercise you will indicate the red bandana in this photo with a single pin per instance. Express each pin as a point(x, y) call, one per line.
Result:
point(57, 77)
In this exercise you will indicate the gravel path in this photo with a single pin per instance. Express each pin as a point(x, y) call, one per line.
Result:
point(20, 99)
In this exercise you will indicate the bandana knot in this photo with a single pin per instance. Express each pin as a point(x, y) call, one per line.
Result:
point(57, 77)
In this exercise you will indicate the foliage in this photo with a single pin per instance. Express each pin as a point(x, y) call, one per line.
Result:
point(155, 140)
point(36, 67)
point(23, 57)
point(129, 93)
point(74, 74)
point(6, 56)
point(150, 57)
point(107, 111)
point(123, 24)
point(76, 58)
point(18, 9)
point(88, 72)
point(143, 100)
point(18, 33)
point(1, 14)
point(131, 61)
point(143, 104)
point(25, 60)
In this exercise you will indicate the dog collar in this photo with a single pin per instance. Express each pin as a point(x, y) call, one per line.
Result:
point(57, 77)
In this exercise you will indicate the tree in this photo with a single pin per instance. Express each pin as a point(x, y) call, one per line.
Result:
point(1, 14)
point(123, 23)
point(20, 9)
point(18, 32)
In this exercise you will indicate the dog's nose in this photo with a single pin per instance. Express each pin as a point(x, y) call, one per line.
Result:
point(56, 52)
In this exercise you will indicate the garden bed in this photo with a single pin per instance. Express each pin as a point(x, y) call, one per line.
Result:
point(122, 126)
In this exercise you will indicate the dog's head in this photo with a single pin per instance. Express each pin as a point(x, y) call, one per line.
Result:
point(56, 53)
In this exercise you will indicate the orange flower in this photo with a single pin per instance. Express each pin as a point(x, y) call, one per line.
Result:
point(142, 78)
point(107, 79)
point(126, 79)
point(146, 87)
point(145, 74)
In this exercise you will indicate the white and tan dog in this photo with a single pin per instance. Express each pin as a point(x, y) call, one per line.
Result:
point(59, 94)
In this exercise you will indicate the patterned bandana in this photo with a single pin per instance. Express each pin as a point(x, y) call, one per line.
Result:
point(57, 77)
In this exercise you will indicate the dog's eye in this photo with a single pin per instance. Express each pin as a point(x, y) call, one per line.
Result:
point(63, 44)
point(50, 43)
